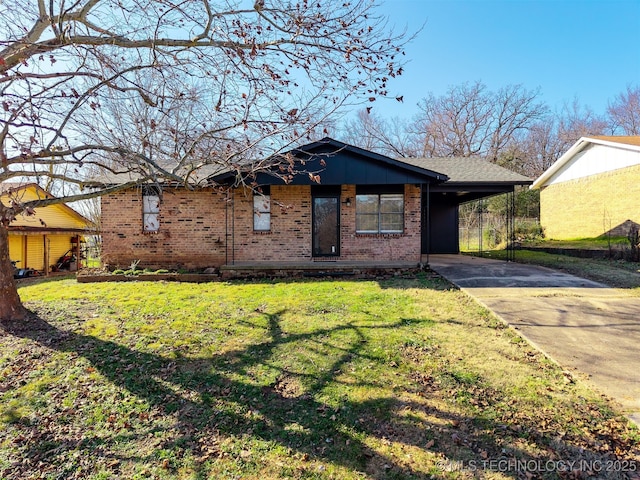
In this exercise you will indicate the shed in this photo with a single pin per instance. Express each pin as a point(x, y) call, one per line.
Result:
point(38, 240)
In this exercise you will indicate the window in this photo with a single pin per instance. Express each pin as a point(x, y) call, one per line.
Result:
point(150, 209)
point(262, 211)
point(380, 213)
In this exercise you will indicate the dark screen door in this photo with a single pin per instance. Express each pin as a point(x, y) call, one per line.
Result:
point(326, 226)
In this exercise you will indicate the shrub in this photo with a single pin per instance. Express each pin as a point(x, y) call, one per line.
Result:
point(527, 230)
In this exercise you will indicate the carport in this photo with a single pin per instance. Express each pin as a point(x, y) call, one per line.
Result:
point(469, 179)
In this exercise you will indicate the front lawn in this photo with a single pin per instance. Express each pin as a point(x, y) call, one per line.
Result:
point(398, 378)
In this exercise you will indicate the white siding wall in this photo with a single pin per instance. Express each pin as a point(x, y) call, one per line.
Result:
point(596, 159)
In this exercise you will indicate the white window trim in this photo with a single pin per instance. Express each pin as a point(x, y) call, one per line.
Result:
point(150, 212)
point(261, 212)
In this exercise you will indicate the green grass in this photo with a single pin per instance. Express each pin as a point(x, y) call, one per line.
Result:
point(597, 243)
point(400, 378)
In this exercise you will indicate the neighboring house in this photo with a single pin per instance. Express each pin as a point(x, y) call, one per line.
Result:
point(368, 208)
point(37, 241)
point(592, 190)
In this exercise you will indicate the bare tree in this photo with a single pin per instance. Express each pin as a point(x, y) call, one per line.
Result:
point(470, 120)
point(545, 141)
point(158, 90)
point(536, 150)
point(624, 112)
point(575, 121)
point(373, 132)
point(453, 125)
point(515, 111)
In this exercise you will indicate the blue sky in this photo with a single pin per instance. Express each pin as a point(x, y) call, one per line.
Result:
point(584, 49)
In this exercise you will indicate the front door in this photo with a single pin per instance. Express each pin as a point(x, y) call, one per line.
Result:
point(326, 226)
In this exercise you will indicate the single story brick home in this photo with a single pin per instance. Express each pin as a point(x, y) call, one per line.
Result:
point(592, 190)
point(361, 208)
point(38, 241)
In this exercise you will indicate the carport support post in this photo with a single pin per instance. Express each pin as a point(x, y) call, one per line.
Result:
point(511, 231)
point(425, 194)
point(480, 226)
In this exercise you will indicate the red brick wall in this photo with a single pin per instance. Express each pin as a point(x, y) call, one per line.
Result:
point(193, 225)
point(290, 235)
point(191, 234)
point(387, 248)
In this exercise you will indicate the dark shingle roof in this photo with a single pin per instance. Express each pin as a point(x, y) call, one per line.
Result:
point(459, 170)
point(198, 177)
point(469, 170)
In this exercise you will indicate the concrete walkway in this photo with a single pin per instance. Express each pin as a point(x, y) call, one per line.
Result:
point(578, 323)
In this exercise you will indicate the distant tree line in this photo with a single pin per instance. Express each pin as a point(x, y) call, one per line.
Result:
point(511, 126)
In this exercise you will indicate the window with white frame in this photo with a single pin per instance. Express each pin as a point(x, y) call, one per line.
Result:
point(262, 211)
point(150, 209)
point(379, 213)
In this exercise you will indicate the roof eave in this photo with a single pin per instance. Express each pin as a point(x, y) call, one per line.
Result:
point(613, 143)
point(496, 182)
point(558, 164)
point(576, 148)
point(62, 230)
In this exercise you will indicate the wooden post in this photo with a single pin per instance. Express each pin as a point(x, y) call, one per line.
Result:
point(45, 246)
point(78, 260)
point(25, 240)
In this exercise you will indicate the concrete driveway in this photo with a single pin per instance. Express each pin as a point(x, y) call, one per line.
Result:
point(580, 324)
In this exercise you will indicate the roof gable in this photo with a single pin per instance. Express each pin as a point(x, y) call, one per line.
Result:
point(630, 145)
point(347, 164)
point(59, 215)
point(337, 163)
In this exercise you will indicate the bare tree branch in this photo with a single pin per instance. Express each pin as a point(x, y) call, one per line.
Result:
point(469, 120)
point(624, 112)
point(124, 91)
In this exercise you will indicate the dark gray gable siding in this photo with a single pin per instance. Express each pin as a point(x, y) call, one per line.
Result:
point(337, 163)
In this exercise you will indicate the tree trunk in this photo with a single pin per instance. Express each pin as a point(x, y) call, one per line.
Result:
point(11, 308)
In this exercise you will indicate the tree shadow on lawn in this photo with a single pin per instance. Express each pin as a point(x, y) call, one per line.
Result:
point(221, 406)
